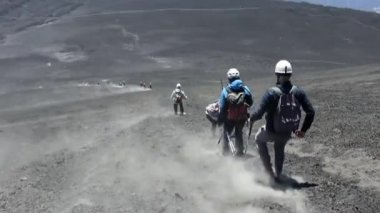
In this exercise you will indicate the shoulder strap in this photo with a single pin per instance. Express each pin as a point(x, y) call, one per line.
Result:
point(277, 90)
point(228, 89)
point(292, 89)
point(278, 97)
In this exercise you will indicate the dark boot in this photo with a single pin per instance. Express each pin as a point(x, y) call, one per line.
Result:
point(265, 158)
point(175, 106)
point(279, 151)
point(227, 129)
point(181, 108)
point(239, 142)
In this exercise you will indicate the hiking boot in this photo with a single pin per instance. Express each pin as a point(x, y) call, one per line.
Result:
point(277, 180)
point(239, 154)
point(281, 179)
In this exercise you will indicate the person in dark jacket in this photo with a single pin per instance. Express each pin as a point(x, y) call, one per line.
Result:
point(270, 106)
point(229, 124)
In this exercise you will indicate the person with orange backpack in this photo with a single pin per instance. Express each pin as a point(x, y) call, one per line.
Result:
point(282, 105)
point(234, 102)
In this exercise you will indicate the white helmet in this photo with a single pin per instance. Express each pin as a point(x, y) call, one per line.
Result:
point(178, 86)
point(283, 67)
point(233, 73)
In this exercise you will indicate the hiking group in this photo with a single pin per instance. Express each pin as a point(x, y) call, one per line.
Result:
point(143, 84)
point(282, 105)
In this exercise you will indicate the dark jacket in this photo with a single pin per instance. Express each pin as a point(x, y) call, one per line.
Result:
point(235, 86)
point(269, 104)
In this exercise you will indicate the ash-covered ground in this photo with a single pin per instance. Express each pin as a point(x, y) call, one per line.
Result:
point(73, 139)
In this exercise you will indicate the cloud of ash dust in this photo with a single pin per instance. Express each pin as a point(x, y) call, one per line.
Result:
point(153, 169)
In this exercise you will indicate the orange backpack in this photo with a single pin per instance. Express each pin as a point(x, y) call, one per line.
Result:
point(237, 108)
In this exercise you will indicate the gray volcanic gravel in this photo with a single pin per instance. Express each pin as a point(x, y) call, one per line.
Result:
point(73, 138)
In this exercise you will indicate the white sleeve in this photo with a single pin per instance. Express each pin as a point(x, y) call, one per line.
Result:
point(184, 95)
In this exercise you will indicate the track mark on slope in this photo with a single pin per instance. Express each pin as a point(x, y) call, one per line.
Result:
point(121, 12)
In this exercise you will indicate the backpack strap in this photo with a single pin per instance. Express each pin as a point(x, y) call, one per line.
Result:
point(292, 89)
point(228, 89)
point(277, 90)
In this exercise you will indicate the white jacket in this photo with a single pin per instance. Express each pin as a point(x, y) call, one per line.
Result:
point(178, 94)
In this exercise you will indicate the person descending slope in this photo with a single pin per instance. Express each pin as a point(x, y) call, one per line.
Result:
point(178, 95)
point(282, 105)
point(212, 114)
point(234, 102)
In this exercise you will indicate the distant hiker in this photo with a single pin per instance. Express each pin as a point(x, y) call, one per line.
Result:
point(178, 95)
point(234, 102)
point(141, 84)
point(150, 85)
point(144, 85)
point(282, 105)
point(212, 114)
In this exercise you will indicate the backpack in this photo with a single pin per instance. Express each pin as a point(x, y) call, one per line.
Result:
point(213, 110)
point(237, 108)
point(178, 96)
point(288, 113)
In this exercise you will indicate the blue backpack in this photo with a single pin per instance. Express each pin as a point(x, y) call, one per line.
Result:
point(288, 113)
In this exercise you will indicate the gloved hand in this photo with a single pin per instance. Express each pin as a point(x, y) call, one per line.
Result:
point(251, 122)
point(299, 133)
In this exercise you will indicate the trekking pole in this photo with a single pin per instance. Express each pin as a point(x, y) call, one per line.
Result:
point(250, 129)
point(231, 144)
point(221, 134)
point(220, 138)
point(246, 147)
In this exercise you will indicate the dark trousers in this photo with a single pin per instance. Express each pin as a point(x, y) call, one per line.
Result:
point(228, 127)
point(262, 138)
point(213, 124)
point(175, 106)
